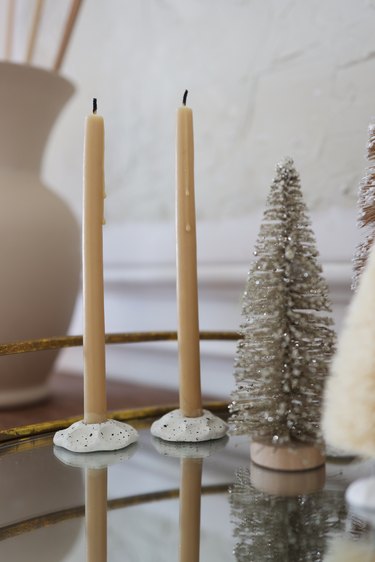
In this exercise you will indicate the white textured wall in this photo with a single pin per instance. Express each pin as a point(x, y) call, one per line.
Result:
point(266, 78)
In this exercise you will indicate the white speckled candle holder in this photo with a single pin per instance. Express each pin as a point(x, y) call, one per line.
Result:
point(82, 437)
point(176, 427)
point(361, 495)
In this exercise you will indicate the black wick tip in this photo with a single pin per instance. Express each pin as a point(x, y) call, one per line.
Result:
point(184, 98)
point(94, 105)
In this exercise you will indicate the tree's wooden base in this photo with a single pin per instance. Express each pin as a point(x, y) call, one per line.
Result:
point(287, 483)
point(291, 457)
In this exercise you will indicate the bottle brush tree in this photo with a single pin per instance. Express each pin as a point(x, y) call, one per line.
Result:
point(349, 405)
point(287, 339)
point(366, 214)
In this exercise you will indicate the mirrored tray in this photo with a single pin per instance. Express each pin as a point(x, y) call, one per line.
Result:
point(147, 504)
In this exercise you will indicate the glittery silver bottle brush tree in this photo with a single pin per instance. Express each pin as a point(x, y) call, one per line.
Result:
point(366, 210)
point(287, 339)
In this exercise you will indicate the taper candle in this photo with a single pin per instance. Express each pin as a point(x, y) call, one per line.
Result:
point(95, 432)
point(187, 284)
point(95, 402)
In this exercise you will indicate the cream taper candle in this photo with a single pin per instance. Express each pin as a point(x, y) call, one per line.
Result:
point(95, 402)
point(187, 285)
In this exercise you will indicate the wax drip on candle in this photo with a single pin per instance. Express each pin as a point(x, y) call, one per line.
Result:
point(94, 105)
point(187, 225)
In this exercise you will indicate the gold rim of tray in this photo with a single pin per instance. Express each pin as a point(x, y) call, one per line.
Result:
point(50, 519)
point(139, 418)
point(44, 344)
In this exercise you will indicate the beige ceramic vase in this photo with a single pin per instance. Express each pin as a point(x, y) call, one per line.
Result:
point(39, 236)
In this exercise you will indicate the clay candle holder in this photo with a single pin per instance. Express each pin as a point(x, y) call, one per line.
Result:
point(360, 495)
point(82, 437)
point(176, 427)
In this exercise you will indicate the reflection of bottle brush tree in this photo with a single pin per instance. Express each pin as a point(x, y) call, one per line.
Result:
point(366, 203)
point(282, 360)
point(271, 528)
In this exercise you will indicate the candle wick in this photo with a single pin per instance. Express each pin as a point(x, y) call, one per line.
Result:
point(94, 105)
point(184, 98)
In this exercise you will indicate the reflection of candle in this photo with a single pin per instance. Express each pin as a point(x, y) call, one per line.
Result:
point(190, 509)
point(96, 515)
point(93, 296)
point(187, 285)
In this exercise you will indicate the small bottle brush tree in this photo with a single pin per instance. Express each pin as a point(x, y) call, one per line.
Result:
point(287, 340)
point(349, 404)
point(366, 215)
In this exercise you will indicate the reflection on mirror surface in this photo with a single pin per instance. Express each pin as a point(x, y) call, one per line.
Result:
point(96, 514)
point(190, 509)
point(42, 508)
point(289, 525)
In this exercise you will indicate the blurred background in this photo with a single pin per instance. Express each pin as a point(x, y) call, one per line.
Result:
point(266, 79)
